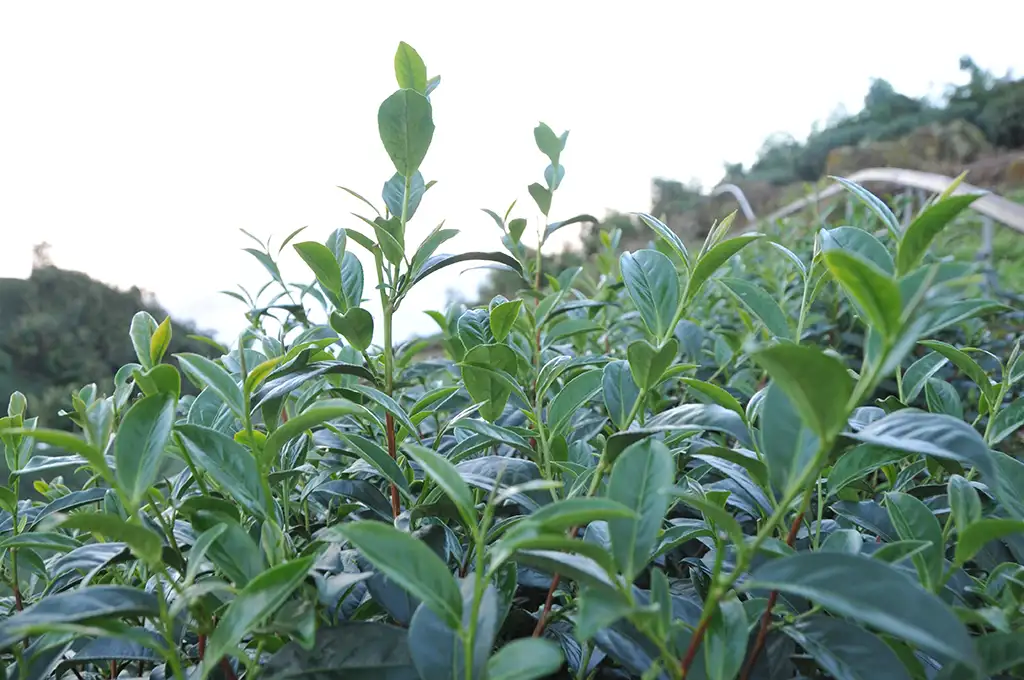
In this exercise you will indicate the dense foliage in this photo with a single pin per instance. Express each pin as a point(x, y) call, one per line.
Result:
point(747, 460)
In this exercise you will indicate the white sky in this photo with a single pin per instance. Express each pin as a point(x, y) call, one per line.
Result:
point(138, 137)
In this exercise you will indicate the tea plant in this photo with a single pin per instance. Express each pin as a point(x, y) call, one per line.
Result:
point(676, 464)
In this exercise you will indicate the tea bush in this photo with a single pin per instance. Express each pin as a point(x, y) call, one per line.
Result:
point(743, 461)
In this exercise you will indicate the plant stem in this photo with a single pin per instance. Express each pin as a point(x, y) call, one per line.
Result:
point(389, 368)
point(191, 466)
point(766, 618)
point(743, 560)
point(15, 586)
point(389, 423)
point(803, 306)
point(588, 651)
point(542, 621)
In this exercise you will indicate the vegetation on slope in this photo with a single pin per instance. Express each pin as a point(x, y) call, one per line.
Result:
point(56, 336)
point(766, 457)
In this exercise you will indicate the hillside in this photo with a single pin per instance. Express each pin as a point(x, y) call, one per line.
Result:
point(62, 329)
point(977, 127)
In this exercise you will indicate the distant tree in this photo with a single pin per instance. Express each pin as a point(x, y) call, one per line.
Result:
point(62, 330)
point(670, 197)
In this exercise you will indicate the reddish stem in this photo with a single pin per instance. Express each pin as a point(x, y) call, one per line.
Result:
point(698, 635)
point(18, 604)
point(551, 594)
point(202, 646)
point(542, 621)
point(228, 671)
point(389, 423)
point(766, 619)
point(691, 651)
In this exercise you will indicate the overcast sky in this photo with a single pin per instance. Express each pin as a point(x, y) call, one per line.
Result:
point(138, 137)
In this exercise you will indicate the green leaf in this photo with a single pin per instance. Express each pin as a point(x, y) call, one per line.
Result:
point(709, 263)
point(202, 545)
point(145, 544)
point(860, 243)
point(876, 204)
point(41, 540)
point(716, 394)
point(931, 434)
point(391, 239)
point(858, 463)
point(917, 375)
point(141, 332)
point(1008, 420)
point(578, 511)
point(915, 522)
point(376, 456)
point(409, 563)
point(140, 442)
point(355, 325)
point(1000, 652)
point(406, 126)
point(691, 417)
point(525, 659)
point(438, 650)
point(351, 650)
point(760, 304)
point(817, 384)
point(440, 261)
point(620, 392)
point(669, 236)
point(260, 598)
point(541, 196)
point(576, 392)
point(447, 477)
point(923, 230)
point(351, 279)
point(640, 478)
point(726, 643)
point(872, 593)
point(789, 446)
point(319, 412)
point(234, 552)
point(653, 285)
point(161, 378)
point(77, 606)
point(964, 502)
point(218, 380)
point(965, 363)
point(716, 515)
point(66, 441)
point(550, 144)
point(502, 317)
point(845, 650)
point(584, 570)
point(874, 292)
point(410, 71)
point(228, 463)
point(974, 538)
point(486, 372)
point(325, 267)
point(160, 340)
point(555, 226)
point(943, 398)
point(648, 364)
point(791, 256)
point(516, 228)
